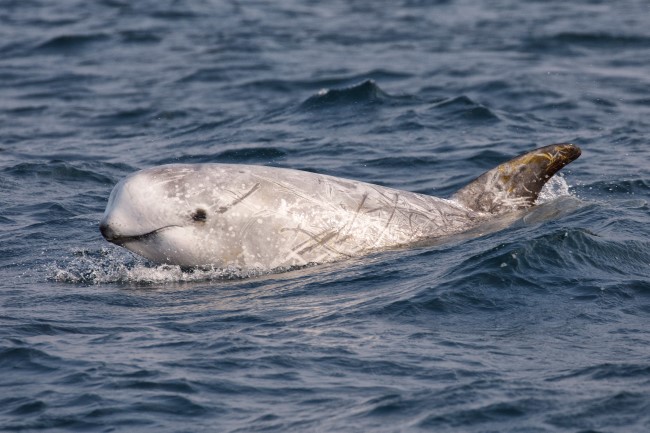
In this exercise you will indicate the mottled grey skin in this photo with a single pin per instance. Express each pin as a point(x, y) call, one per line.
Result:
point(516, 184)
point(255, 217)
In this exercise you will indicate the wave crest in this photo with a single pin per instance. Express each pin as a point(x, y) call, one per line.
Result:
point(362, 93)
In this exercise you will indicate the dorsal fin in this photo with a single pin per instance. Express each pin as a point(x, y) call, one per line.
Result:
point(516, 184)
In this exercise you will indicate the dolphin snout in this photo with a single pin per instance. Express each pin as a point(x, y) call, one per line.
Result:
point(107, 231)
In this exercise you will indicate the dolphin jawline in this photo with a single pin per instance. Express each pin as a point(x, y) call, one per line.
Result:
point(116, 239)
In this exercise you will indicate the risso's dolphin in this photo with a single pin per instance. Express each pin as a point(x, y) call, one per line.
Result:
point(256, 217)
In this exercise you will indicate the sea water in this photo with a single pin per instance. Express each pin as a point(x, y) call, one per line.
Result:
point(540, 326)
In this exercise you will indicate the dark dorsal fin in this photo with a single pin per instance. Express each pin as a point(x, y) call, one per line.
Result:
point(516, 184)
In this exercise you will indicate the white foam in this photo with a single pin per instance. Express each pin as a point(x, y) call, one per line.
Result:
point(556, 187)
point(114, 265)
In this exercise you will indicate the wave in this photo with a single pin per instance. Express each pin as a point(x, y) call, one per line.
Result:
point(25, 358)
point(141, 36)
point(123, 117)
point(71, 43)
point(255, 155)
point(606, 372)
point(502, 277)
point(60, 171)
point(282, 85)
point(367, 92)
point(638, 186)
point(465, 108)
point(601, 39)
point(565, 42)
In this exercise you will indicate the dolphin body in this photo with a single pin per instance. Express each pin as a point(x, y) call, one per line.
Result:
point(266, 218)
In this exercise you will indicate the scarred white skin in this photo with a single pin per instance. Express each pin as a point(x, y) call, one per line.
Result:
point(255, 217)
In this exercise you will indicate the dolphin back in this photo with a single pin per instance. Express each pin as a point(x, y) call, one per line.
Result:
point(516, 184)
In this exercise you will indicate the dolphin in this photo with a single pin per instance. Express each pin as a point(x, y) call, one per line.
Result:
point(267, 218)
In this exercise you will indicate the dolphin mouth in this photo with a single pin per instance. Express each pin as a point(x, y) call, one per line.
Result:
point(120, 240)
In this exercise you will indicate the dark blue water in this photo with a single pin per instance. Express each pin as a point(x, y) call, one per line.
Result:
point(541, 327)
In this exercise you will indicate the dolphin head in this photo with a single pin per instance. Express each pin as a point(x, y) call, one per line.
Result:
point(163, 214)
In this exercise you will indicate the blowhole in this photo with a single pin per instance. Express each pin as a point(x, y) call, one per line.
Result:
point(200, 215)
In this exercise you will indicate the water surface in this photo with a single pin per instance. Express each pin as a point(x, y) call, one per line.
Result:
point(539, 327)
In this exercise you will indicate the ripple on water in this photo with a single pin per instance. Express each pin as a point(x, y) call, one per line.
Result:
point(367, 92)
point(27, 359)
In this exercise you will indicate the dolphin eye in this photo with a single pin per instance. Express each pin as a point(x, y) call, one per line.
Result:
point(200, 215)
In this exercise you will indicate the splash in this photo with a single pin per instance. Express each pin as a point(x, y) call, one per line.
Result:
point(556, 187)
point(108, 265)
